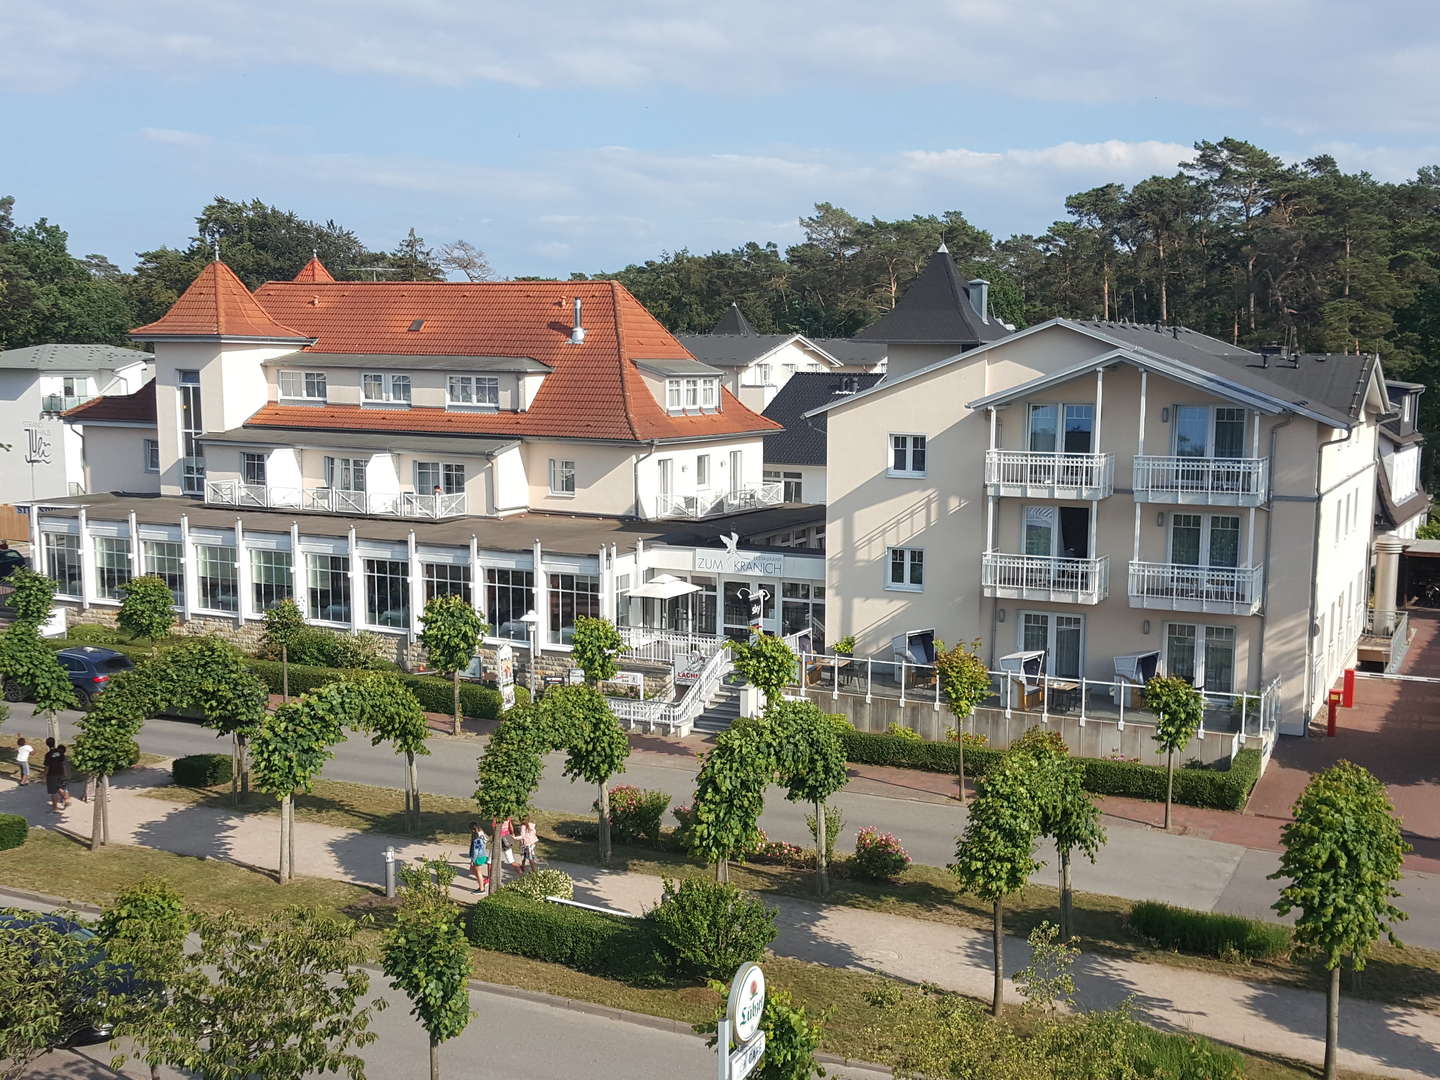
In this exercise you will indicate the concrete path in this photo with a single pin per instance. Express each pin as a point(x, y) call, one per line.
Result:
point(1377, 1038)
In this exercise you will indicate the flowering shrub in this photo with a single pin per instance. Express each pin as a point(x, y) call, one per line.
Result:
point(878, 856)
point(685, 818)
point(778, 852)
point(973, 739)
point(635, 814)
point(903, 732)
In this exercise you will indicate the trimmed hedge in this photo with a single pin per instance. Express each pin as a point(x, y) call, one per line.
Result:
point(14, 829)
point(202, 770)
point(1216, 789)
point(584, 940)
point(1209, 933)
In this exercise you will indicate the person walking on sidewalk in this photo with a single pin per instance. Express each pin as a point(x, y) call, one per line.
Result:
point(479, 857)
point(57, 775)
point(23, 750)
point(507, 841)
point(529, 841)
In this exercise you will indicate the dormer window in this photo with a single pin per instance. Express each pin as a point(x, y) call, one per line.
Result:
point(380, 388)
point(692, 395)
point(306, 386)
point(473, 391)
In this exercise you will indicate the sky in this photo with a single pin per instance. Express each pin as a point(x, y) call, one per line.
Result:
point(562, 135)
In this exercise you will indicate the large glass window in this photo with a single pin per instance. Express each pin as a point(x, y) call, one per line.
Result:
point(1205, 540)
point(387, 592)
point(429, 475)
point(112, 566)
point(1065, 428)
point(215, 578)
point(345, 474)
point(166, 559)
point(445, 579)
point(152, 455)
point(302, 385)
point(192, 464)
point(1202, 431)
point(384, 388)
point(509, 594)
point(802, 610)
point(481, 390)
point(62, 562)
point(1203, 656)
point(329, 587)
point(571, 596)
point(271, 578)
point(1060, 637)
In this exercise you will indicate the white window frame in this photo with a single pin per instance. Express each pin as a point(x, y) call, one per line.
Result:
point(247, 458)
point(912, 443)
point(709, 394)
point(337, 467)
point(151, 455)
point(1207, 527)
point(477, 391)
point(913, 559)
point(561, 471)
point(1063, 411)
point(312, 386)
point(674, 395)
point(1052, 630)
point(702, 471)
point(1202, 631)
point(692, 393)
point(762, 374)
point(1212, 416)
point(446, 472)
point(394, 388)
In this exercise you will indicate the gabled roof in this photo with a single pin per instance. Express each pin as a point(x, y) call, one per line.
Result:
point(72, 358)
point(733, 322)
point(733, 350)
point(217, 305)
point(130, 409)
point(314, 271)
point(937, 309)
point(850, 352)
point(803, 441)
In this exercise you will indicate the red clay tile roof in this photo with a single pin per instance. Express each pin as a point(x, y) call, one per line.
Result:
point(593, 391)
point(216, 304)
point(136, 408)
point(314, 271)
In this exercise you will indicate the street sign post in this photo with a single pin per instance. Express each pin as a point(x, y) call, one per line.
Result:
point(744, 1011)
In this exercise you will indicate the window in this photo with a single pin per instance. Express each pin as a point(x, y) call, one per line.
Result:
point(112, 566)
point(1203, 656)
point(905, 569)
point(509, 594)
point(445, 579)
point(192, 462)
point(1067, 429)
point(571, 596)
point(709, 393)
point(1205, 540)
point(387, 592)
point(702, 471)
point(329, 591)
point(152, 455)
point(302, 386)
point(72, 386)
point(271, 579)
point(385, 389)
point(562, 477)
point(1202, 431)
point(907, 455)
point(474, 390)
point(737, 471)
point(166, 559)
point(1060, 637)
point(674, 394)
point(429, 475)
point(62, 562)
point(252, 468)
point(793, 484)
point(665, 472)
point(762, 374)
point(802, 609)
point(691, 393)
point(345, 474)
point(215, 578)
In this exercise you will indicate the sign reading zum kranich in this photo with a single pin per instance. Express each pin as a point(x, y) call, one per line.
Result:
point(744, 1010)
point(740, 563)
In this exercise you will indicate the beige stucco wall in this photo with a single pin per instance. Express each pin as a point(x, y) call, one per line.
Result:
point(604, 477)
point(427, 388)
point(115, 460)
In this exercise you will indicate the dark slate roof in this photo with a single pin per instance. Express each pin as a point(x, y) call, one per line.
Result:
point(1332, 384)
point(136, 408)
point(676, 367)
point(935, 310)
point(1390, 514)
point(803, 441)
point(707, 532)
point(72, 357)
point(733, 322)
point(731, 350)
point(852, 353)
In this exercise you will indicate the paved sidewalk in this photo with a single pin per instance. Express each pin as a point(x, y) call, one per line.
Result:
point(1377, 1038)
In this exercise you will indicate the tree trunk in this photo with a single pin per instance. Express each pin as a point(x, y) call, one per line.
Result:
point(54, 722)
point(1169, 784)
point(284, 874)
point(244, 745)
point(495, 862)
point(822, 872)
point(412, 791)
point(960, 742)
point(105, 810)
point(291, 842)
point(97, 815)
point(722, 871)
point(999, 941)
point(455, 699)
point(604, 823)
point(284, 673)
point(1066, 896)
point(434, 1058)
point(1332, 1022)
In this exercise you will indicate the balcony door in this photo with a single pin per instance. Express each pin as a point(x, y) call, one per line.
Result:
point(1068, 429)
point(1057, 532)
point(1205, 540)
point(1062, 637)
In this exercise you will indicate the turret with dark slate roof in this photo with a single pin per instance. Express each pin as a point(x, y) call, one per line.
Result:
point(734, 322)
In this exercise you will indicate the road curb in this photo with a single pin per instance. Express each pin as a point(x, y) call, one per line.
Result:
point(46, 898)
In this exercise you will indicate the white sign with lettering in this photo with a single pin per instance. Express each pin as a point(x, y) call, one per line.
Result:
point(739, 563)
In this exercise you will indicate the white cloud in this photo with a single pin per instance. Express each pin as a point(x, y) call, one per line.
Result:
point(172, 137)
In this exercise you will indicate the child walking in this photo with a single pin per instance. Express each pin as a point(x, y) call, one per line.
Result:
point(529, 840)
point(479, 856)
point(23, 750)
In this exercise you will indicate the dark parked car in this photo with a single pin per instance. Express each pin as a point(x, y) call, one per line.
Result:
point(90, 667)
point(10, 561)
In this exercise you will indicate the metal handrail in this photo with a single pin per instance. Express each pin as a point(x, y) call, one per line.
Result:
point(1203, 479)
point(335, 500)
point(1039, 469)
point(1089, 578)
point(1224, 587)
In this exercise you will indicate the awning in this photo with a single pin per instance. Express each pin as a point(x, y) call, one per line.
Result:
point(664, 587)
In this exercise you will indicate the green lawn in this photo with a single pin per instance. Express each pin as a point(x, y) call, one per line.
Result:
point(9, 770)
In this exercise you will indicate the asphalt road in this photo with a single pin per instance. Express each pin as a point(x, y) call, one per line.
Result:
point(1138, 863)
point(509, 1037)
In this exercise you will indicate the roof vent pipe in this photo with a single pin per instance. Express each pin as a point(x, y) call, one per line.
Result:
point(577, 329)
point(978, 290)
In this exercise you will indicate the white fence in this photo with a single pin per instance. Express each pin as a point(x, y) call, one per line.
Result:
point(403, 504)
point(1182, 587)
point(702, 671)
point(709, 502)
point(1037, 577)
point(1039, 474)
point(1394, 627)
point(1201, 481)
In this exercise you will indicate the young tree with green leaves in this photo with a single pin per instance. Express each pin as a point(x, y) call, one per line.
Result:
point(451, 633)
point(105, 745)
point(964, 683)
point(210, 675)
point(594, 648)
point(147, 607)
point(1343, 854)
point(767, 663)
point(284, 623)
point(996, 855)
point(579, 720)
point(508, 773)
point(810, 760)
point(144, 931)
point(386, 710)
point(29, 667)
point(1179, 709)
point(32, 596)
point(730, 794)
point(427, 957)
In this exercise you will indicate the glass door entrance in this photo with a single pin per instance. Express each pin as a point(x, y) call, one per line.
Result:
point(741, 601)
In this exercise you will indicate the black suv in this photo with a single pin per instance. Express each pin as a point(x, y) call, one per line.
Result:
point(89, 666)
point(94, 977)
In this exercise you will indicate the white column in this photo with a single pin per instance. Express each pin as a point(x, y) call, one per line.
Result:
point(1136, 555)
point(1255, 436)
point(417, 585)
point(1099, 406)
point(477, 579)
point(87, 560)
point(1140, 431)
point(542, 598)
point(242, 576)
point(992, 428)
point(187, 556)
point(1250, 540)
point(37, 557)
point(357, 583)
point(297, 570)
point(1094, 527)
point(607, 586)
point(137, 565)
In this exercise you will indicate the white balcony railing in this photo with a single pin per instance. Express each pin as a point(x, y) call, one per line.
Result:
point(1037, 475)
point(57, 403)
point(405, 504)
point(1179, 587)
point(1202, 481)
point(709, 502)
point(1387, 632)
point(1036, 577)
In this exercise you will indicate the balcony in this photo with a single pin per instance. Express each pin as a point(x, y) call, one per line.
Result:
point(404, 504)
point(1036, 577)
point(1227, 590)
point(1035, 474)
point(58, 403)
point(1197, 481)
point(711, 502)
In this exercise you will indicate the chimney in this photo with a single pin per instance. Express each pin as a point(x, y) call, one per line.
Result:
point(1267, 351)
point(978, 289)
point(577, 330)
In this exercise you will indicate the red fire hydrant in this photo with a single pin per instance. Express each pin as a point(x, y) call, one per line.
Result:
point(1349, 685)
point(1333, 700)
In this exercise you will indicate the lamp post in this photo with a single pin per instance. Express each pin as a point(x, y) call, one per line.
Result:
point(532, 638)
